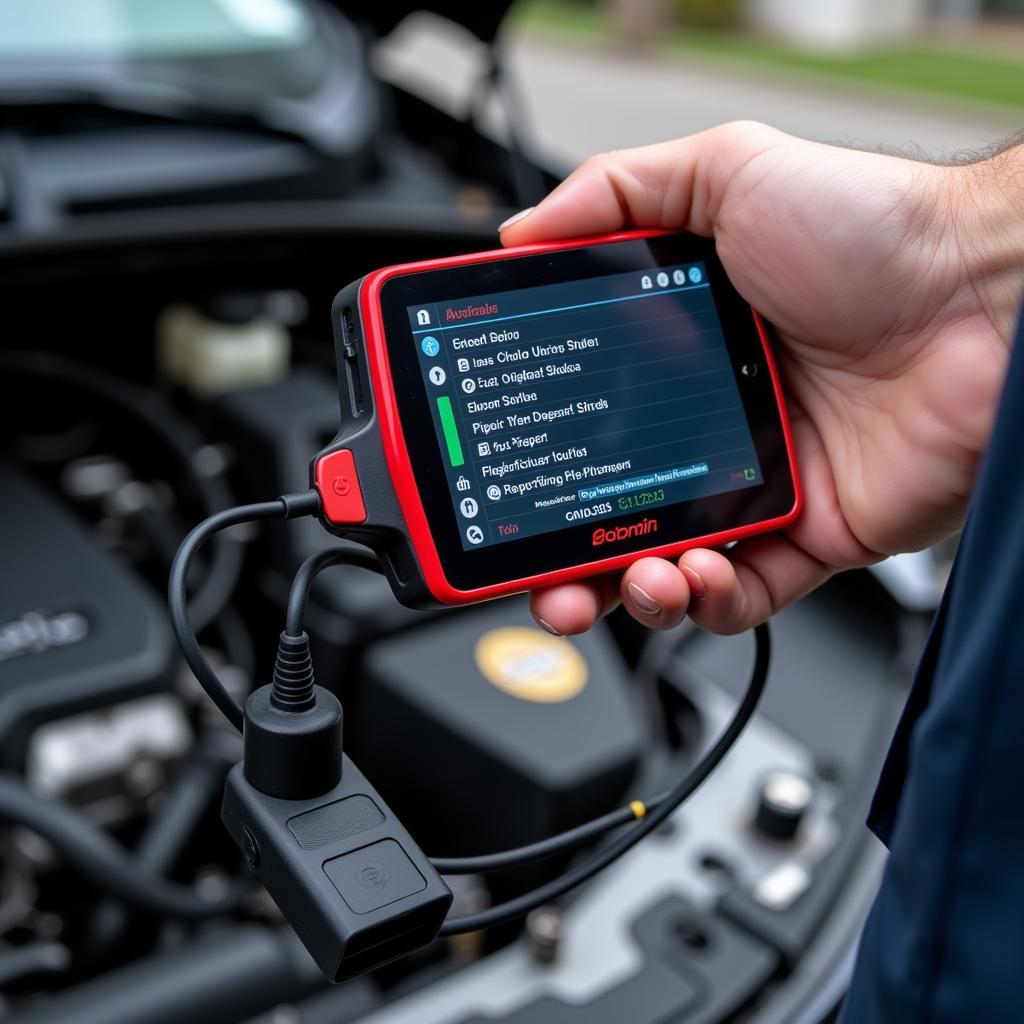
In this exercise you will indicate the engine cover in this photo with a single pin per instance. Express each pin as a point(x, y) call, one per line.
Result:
point(77, 629)
point(486, 733)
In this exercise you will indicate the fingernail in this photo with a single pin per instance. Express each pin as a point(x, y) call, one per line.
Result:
point(643, 600)
point(698, 588)
point(515, 217)
point(547, 627)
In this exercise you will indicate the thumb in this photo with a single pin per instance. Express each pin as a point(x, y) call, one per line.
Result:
point(677, 184)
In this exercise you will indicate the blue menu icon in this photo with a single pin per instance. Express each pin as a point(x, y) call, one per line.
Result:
point(430, 345)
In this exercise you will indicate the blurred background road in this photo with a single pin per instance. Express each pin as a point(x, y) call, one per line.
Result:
point(635, 101)
point(593, 77)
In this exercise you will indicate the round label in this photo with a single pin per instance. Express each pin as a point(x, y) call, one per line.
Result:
point(530, 664)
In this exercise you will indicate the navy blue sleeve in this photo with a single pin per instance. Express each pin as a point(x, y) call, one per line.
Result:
point(944, 941)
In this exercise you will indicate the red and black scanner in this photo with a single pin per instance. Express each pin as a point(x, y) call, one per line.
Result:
point(528, 416)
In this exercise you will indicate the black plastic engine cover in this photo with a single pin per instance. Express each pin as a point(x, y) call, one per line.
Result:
point(77, 629)
point(484, 732)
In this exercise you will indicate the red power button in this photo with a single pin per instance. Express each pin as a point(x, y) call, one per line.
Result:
point(338, 484)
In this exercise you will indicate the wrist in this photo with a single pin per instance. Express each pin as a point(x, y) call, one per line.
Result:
point(985, 216)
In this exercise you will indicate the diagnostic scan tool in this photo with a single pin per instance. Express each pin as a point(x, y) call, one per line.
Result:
point(528, 416)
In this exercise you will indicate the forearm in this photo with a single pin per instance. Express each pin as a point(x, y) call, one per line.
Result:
point(986, 210)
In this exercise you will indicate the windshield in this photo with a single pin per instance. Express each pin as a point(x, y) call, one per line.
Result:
point(149, 28)
point(206, 47)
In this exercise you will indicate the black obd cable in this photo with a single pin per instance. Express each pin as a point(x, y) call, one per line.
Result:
point(294, 760)
point(288, 506)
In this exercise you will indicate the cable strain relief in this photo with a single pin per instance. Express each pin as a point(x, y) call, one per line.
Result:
point(293, 756)
point(292, 683)
point(305, 503)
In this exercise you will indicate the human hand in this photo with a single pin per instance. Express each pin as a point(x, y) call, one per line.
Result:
point(893, 286)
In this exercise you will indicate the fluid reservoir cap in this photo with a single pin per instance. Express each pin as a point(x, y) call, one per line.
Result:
point(784, 798)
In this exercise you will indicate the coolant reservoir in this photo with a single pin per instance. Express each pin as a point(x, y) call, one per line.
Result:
point(236, 342)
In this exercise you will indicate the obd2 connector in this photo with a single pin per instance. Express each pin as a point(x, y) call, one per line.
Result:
point(355, 886)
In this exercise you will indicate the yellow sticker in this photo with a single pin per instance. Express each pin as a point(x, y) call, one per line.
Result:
point(530, 664)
